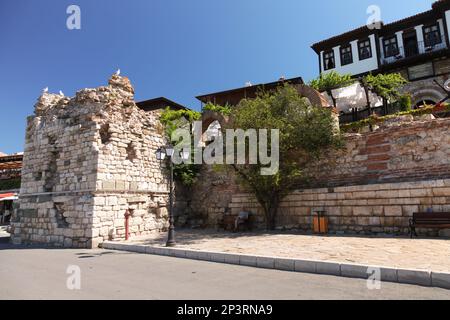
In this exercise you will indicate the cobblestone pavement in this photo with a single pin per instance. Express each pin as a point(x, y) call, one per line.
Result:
point(427, 254)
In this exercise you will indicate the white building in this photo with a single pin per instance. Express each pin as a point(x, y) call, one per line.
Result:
point(417, 47)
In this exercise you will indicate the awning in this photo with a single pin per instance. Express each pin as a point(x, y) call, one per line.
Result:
point(13, 162)
point(8, 196)
point(13, 198)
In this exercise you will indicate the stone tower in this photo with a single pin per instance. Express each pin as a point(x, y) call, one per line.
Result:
point(88, 161)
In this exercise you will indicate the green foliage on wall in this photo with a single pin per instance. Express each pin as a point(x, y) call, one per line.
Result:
point(225, 110)
point(386, 86)
point(172, 120)
point(330, 81)
point(374, 119)
point(10, 184)
point(405, 103)
point(306, 132)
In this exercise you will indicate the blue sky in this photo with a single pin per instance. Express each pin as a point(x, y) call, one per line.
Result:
point(173, 48)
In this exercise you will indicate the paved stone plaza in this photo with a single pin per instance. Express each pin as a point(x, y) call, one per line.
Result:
point(398, 252)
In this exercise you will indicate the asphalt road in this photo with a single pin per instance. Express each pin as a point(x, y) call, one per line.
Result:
point(33, 273)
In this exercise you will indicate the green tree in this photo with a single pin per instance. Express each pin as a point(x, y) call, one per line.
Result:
point(225, 110)
point(306, 133)
point(386, 86)
point(330, 81)
point(404, 103)
point(172, 120)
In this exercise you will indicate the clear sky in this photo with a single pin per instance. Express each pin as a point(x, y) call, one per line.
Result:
point(173, 48)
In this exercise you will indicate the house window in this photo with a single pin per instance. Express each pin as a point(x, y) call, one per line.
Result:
point(432, 35)
point(328, 60)
point(391, 47)
point(365, 50)
point(346, 55)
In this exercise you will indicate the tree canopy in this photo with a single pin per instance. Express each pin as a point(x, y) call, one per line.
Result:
point(327, 82)
point(330, 81)
point(186, 173)
point(306, 132)
point(386, 86)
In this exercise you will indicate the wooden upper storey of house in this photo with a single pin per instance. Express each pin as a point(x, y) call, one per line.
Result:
point(234, 96)
point(159, 104)
point(367, 49)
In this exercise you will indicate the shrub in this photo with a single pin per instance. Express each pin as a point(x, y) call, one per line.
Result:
point(10, 184)
point(225, 110)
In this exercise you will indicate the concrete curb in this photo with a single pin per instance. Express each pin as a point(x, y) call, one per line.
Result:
point(407, 276)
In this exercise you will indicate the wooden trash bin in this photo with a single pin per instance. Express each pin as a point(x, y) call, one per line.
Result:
point(320, 223)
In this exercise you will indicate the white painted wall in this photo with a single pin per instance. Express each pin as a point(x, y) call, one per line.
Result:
point(441, 27)
point(447, 19)
point(364, 66)
point(400, 43)
point(353, 97)
point(357, 67)
point(419, 33)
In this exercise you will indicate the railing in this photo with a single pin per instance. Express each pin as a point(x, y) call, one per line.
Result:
point(354, 115)
point(361, 114)
point(414, 50)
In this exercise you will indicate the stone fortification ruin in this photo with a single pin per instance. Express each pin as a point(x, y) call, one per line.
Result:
point(90, 169)
point(372, 186)
point(88, 161)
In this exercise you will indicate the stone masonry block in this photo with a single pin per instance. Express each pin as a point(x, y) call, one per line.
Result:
point(417, 277)
point(393, 211)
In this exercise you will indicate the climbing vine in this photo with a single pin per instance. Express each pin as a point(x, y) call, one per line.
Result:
point(173, 119)
point(225, 110)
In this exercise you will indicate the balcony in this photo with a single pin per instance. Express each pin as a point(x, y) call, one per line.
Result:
point(414, 50)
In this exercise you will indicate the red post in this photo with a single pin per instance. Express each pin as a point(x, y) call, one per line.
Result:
point(128, 214)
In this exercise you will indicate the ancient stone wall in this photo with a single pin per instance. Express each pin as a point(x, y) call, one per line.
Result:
point(208, 200)
point(361, 209)
point(89, 159)
point(400, 149)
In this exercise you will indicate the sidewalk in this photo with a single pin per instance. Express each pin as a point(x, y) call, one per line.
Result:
point(417, 258)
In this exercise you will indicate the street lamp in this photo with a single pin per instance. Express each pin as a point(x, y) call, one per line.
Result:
point(161, 154)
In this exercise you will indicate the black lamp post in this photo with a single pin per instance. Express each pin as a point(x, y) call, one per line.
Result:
point(162, 154)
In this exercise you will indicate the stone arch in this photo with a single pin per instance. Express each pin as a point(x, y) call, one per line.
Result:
point(208, 117)
point(424, 91)
point(424, 100)
point(314, 96)
point(428, 95)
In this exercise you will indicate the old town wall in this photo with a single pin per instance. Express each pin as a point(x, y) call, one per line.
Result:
point(88, 160)
point(373, 185)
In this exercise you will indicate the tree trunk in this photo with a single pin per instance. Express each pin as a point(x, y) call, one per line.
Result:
point(366, 90)
point(270, 212)
point(330, 93)
point(385, 106)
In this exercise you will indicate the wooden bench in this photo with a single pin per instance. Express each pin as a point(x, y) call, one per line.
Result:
point(434, 220)
point(228, 223)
